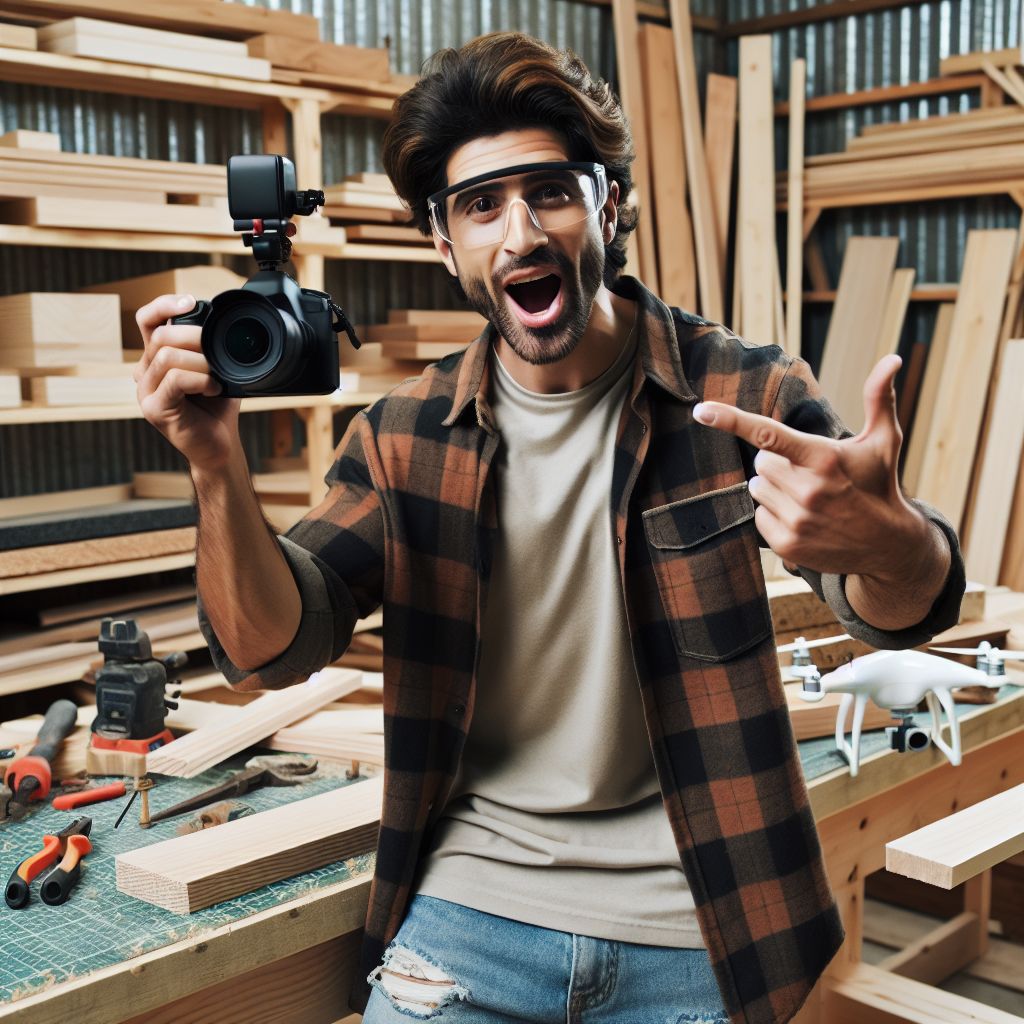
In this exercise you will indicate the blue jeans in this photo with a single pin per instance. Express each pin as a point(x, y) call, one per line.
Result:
point(451, 963)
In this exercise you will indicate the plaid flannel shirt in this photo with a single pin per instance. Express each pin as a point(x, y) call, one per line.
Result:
point(408, 523)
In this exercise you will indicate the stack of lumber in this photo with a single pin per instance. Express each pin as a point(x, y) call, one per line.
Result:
point(61, 348)
point(200, 281)
point(424, 334)
point(110, 40)
point(371, 212)
point(18, 37)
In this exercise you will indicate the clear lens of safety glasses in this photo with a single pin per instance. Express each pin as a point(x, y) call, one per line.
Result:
point(556, 195)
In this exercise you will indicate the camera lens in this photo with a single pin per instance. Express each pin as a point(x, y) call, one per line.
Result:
point(917, 739)
point(247, 341)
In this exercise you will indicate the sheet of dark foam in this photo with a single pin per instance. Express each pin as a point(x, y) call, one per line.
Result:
point(135, 516)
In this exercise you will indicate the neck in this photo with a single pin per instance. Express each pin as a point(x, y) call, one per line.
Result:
point(611, 320)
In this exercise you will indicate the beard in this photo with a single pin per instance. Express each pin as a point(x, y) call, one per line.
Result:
point(580, 282)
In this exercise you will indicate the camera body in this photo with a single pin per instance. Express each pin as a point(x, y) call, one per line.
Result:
point(271, 336)
point(908, 736)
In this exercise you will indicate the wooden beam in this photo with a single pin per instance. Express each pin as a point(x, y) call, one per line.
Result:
point(190, 872)
point(794, 214)
point(895, 311)
point(993, 492)
point(938, 954)
point(856, 324)
point(719, 145)
point(951, 850)
point(887, 94)
point(677, 269)
point(960, 63)
point(705, 233)
point(202, 749)
point(869, 995)
point(960, 403)
point(627, 63)
point(810, 15)
point(1004, 81)
point(756, 223)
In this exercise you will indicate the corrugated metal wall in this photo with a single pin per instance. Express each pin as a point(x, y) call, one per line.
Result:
point(881, 48)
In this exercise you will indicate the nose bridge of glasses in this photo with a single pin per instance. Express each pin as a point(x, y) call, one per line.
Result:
point(513, 220)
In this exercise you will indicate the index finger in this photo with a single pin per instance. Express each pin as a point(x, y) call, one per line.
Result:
point(159, 311)
point(761, 431)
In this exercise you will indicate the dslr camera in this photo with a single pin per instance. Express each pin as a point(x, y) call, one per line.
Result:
point(271, 336)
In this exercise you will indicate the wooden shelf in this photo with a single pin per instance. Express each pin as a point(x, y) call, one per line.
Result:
point(37, 67)
point(923, 293)
point(79, 413)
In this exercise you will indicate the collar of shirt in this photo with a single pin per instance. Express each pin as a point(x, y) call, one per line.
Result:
point(657, 347)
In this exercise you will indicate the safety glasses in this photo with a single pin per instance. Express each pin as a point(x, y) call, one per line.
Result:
point(556, 195)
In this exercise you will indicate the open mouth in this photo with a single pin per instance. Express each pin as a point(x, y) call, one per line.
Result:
point(537, 301)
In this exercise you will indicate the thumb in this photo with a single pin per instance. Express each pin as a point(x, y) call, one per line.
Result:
point(880, 399)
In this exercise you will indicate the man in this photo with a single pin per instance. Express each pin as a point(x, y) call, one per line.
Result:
point(593, 800)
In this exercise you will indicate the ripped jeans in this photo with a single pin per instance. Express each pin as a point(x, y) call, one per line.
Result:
point(452, 963)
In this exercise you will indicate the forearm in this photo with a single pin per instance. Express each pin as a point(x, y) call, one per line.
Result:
point(903, 598)
point(247, 589)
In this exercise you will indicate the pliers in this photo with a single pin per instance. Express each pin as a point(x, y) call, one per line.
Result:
point(71, 844)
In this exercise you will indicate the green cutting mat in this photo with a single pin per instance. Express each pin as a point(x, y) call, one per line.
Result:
point(98, 926)
point(819, 756)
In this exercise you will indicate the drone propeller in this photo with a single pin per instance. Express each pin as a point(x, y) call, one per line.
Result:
point(800, 644)
point(989, 652)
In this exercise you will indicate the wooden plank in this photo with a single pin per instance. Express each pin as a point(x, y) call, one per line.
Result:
point(22, 139)
point(986, 536)
point(856, 325)
point(627, 62)
point(82, 43)
point(953, 849)
point(52, 211)
point(206, 747)
point(119, 604)
point(677, 270)
point(888, 94)
point(911, 386)
point(137, 35)
point(921, 429)
point(869, 995)
point(18, 37)
point(206, 17)
point(1011, 573)
point(321, 58)
point(454, 332)
point(1008, 84)
point(705, 232)
point(427, 317)
point(59, 501)
point(75, 389)
point(756, 223)
point(719, 146)
point(895, 312)
point(92, 573)
point(421, 350)
point(190, 872)
point(959, 405)
point(83, 323)
point(938, 954)
point(794, 214)
point(386, 233)
point(809, 15)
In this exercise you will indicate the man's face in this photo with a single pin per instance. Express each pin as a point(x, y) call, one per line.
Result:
point(536, 288)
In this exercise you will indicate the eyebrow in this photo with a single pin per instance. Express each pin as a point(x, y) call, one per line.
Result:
point(530, 178)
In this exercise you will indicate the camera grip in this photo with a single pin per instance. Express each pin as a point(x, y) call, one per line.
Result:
point(196, 316)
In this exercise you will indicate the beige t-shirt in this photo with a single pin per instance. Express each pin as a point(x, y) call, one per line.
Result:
point(556, 818)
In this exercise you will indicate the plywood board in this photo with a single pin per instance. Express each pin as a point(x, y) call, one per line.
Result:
point(758, 255)
point(953, 849)
point(922, 423)
point(193, 871)
point(856, 325)
point(59, 501)
point(677, 270)
point(986, 537)
point(719, 146)
point(75, 323)
point(705, 231)
point(960, 403)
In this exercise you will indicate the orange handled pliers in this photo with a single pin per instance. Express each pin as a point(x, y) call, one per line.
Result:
point(71, 844)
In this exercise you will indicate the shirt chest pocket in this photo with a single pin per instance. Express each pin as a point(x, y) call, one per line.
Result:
point(707, 563)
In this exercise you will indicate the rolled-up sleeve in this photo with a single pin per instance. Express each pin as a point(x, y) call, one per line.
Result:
point(336, 556)
point(800, 404)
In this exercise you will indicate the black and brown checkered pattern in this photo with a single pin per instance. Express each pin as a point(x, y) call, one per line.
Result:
point(409, 523)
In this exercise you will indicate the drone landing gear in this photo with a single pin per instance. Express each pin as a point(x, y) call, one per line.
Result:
point(903, 737)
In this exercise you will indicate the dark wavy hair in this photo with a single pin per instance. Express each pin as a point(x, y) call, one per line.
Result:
point(501, 82)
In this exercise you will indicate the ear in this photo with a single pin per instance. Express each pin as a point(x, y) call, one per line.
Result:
point(610, 213)
point(445, 251)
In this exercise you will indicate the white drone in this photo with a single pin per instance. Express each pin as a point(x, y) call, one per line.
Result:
point(898, 681)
